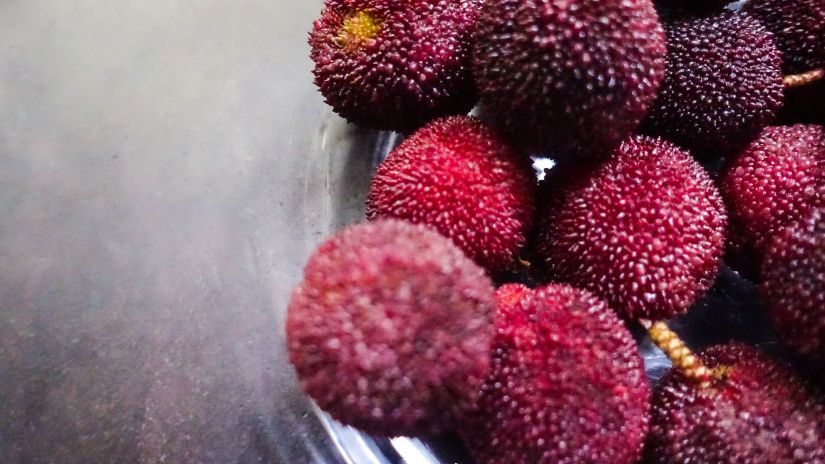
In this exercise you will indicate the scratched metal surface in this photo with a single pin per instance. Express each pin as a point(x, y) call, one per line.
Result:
point(165, 169)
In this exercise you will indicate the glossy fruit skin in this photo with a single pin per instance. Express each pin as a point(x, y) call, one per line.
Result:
point(644, 230)
point(390, 330)
point(459, 177)
point(568, 78)
point(793, 283)
point(415, 68)
point(773, 181)
point(568, 384)
point(799, 27)
point(760, 413)
point(723, 83)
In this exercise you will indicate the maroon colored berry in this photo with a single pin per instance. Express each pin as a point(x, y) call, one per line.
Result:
point(793, 283)
point(390, 329)
point(568, 384)
point(799, 26)
point(395, 64)
point(754, 411)
point(644, 230)
point(457, 176)
point(568, 77)
point(723, 83)
point(774, 181)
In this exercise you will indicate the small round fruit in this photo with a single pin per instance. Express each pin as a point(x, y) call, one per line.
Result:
point(793, 283)
point(568, 78)
point(395, 64)
point(568, 384)
point(722, 85)
point(390, 329)
point(799, 26)
point(755, 411)
point(457, 176)
point(645, 230)
point(773, 181)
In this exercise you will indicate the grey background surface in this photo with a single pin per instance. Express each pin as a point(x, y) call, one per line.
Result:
point(165, 169)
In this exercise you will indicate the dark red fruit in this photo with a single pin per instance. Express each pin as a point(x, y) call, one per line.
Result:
point(395, 64)
point(723, 83)
point(774, 181)
point(390, 329)
point(793, 283)
point(457, 176)
point(568, 384)
point(799, 26)
point(644, 230)
point(565, 77)
point(756, 411)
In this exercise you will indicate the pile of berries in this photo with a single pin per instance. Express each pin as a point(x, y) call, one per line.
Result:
point(680, 141)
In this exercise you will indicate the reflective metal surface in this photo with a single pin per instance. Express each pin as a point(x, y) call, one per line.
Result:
point(165, 169)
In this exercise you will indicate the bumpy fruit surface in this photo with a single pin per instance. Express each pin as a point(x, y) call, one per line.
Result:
point(723, 83)
point(756, 411)
point(390, 329)
point(793, 283)
point(644, 230)
point(395, 64)
point(568, 384)
point(568, 78)
point(773, 181)
point(457, 176)
point(799, 26)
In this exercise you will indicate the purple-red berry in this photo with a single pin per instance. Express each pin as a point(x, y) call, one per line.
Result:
point(390, 329)
point(457, 176)
point(567, 386)
point(395, 64)
point(644, 230)
point(793, 283)
point(568, 78)
point(754, 411)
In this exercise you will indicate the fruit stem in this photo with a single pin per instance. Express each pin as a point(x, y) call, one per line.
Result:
point(798, 80)
point(679, 354)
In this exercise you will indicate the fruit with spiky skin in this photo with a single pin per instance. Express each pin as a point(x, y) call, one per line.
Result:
point(568, 384)
point(459, 177)
point(390, 330)
point(799, 26)
point(754, 411)
point(644, 230)
point(568, 78)
point(793, 283)
point(773, 181)
point(722, 85)
point(390, 64)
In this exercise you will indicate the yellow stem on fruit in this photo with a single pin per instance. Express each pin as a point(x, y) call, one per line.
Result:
point(798, 80)
point(679, 354)
point(357, 28)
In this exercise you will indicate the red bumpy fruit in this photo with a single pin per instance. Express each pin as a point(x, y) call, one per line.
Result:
point(723, 83)
point(773, 181)
point(645, 230)
point(390, 329)
point(568, 77)
point(799, 26)
point(395, 64)
point(457, 176)
point(793, 283)
point(754, 411)
point(568, 384)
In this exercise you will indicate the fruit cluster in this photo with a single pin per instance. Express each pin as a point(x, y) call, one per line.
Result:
point(682, 135)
